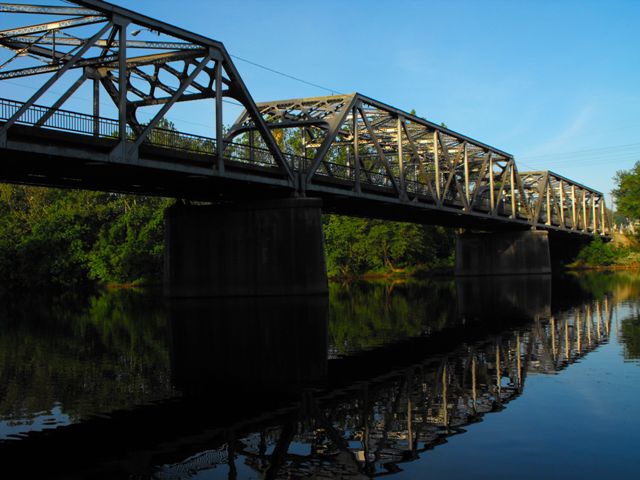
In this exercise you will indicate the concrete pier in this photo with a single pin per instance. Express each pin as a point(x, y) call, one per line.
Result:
point(263, 248)
point(509, 253)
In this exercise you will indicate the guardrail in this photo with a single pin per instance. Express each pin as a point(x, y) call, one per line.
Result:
point(101, 127)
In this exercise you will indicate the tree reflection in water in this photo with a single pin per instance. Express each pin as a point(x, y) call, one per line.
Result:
point(247, 387)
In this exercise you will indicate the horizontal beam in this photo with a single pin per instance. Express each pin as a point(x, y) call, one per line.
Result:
point(76, 42)
point(108, 61)
point(151, 23)
point(51, 26)
point(44, 9)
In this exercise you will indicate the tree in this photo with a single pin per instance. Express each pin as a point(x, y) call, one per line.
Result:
point(627, 192)
point(62, 238)
point(356, 245)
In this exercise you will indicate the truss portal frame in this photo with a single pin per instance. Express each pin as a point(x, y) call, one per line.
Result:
point(92, 42)
point(359, 144)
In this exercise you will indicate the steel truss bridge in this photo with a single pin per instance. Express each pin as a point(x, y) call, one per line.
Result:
point(361, 156)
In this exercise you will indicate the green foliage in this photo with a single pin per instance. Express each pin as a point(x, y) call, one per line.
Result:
point(355, 246)
point(617, 253)
point(61, 238)
point(598, 253)
point(130, 248)
point(627, 192)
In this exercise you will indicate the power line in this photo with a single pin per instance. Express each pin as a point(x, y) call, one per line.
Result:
point(573, 152)
point(583, 161)
point(297, 79)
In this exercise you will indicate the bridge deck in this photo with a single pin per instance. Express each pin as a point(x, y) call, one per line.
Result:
point(69, 151)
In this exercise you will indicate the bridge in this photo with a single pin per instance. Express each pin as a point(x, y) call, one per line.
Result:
point(273, 166)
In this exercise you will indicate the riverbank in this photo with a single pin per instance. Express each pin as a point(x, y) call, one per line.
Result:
point(621, 253)
point(417, 272)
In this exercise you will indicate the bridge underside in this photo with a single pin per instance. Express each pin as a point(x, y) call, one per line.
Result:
point(42, 157)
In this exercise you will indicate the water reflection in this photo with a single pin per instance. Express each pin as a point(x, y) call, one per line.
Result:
point(523, 296)
point(64, 359)
point(245, 389)
point(370, 428)
point(248, 344)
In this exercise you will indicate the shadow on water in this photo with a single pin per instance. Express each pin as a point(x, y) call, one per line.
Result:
point(354, 385)
point(248, 344)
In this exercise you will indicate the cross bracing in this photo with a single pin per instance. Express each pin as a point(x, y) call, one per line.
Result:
point(358, 143)
point(93, 43)
point(359, 155)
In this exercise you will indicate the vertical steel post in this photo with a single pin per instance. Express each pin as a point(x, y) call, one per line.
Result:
point(302, 168)
point(548, 222)
point(356, 148)
point(573, 207)
point(512, 179)
point(437, 164)
point(219, 134)
point(585, 223)
point(122, 82)
point(96, 106)
point(595, 214)
point(491, 186)
point(466, 172)
point(403, 189)
point(562, 203)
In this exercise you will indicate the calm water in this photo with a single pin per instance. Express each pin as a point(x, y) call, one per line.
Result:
point(503, 378)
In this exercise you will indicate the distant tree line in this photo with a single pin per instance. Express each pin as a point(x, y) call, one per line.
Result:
point(356, 246)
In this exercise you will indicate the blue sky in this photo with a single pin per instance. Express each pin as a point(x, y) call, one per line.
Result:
point(555, 83)
point(552, 82)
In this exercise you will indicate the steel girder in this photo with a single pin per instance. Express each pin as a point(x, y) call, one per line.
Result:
point(94, 39)
point(355, 143)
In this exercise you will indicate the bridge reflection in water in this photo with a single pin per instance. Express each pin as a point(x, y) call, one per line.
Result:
point(261, 397)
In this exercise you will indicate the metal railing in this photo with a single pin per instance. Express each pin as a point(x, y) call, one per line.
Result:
point(101, 127)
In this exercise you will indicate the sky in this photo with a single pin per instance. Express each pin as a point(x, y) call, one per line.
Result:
point(555, 83)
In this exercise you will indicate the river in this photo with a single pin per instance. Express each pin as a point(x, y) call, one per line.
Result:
point(520, 377)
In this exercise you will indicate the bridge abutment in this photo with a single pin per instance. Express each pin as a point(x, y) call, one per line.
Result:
point(503, 253)
point(272, 247)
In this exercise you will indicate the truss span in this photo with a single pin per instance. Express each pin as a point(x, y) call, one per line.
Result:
point(355, 146)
